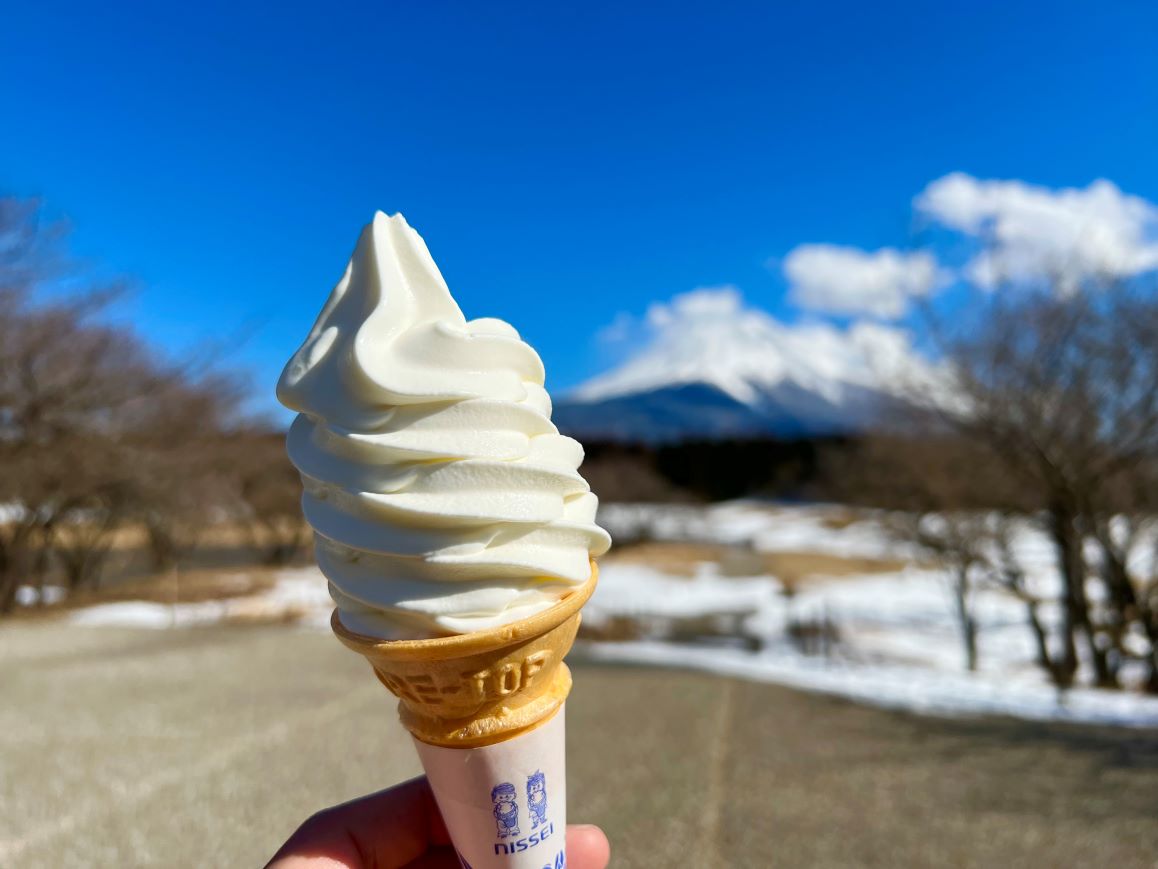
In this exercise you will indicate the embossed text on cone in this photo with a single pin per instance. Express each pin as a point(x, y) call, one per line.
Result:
point(483, 687)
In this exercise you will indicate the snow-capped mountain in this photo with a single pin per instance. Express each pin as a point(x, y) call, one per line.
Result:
point(709, 367)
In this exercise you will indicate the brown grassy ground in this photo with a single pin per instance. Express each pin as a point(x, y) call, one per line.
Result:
point(680, 559)
point(232, 534)
point(227, 561)
point(194, 586)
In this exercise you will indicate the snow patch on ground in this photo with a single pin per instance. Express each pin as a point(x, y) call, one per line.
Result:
point(898, 645)
point(754, 524)
point(635, 591)
point(914, 689)
point(145, 614)
point(298, 595)
point(30, 595)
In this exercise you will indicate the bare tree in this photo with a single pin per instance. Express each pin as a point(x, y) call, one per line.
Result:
point(63, 379)
point(95, 428)
point(1052, 397)
point(183, 476)
point(270, 492)
point(947, 497)
point(1063, 392)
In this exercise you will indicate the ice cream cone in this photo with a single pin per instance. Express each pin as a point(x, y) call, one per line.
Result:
point(484, 709)
point(428, 454)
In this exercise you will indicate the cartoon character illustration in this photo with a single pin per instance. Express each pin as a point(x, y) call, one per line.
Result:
point(506, 811)
point(537, 798)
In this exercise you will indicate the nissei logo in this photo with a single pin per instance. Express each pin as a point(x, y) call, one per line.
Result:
point(527, 842)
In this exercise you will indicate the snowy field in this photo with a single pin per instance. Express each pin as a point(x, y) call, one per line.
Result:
point(886, 638)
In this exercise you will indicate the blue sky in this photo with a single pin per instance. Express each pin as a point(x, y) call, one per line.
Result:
point(564, 161)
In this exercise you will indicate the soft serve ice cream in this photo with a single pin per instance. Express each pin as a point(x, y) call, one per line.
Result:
point(442, 497)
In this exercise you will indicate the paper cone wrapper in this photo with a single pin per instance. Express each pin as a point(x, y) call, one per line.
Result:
point(485, 711)
point(505, 805)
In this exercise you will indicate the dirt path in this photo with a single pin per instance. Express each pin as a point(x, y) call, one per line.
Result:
point(206, 747)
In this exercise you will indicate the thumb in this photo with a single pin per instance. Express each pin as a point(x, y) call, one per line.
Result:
point(587, 847)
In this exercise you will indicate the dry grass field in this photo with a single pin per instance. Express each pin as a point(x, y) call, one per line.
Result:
point(680, 559)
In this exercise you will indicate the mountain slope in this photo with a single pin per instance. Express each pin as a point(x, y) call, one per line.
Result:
point(693, 410)
point(713, 369)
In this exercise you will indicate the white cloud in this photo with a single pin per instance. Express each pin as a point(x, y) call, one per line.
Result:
point(700, 307)
point(847, 280)
point(702, 303)
point(710, 335)
point(1032, 231)
point(618, 331)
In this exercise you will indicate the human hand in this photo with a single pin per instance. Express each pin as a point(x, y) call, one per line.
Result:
point(401, 828)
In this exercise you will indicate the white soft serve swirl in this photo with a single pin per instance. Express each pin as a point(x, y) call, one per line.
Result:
point(442, 497)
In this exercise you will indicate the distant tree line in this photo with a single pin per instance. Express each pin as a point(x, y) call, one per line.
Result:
point(712, 470)
point(99, 432)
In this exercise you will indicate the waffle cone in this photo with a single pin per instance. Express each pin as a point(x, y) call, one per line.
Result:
point(480, 688)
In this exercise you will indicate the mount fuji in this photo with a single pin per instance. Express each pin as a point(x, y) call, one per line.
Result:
point(707, 367)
